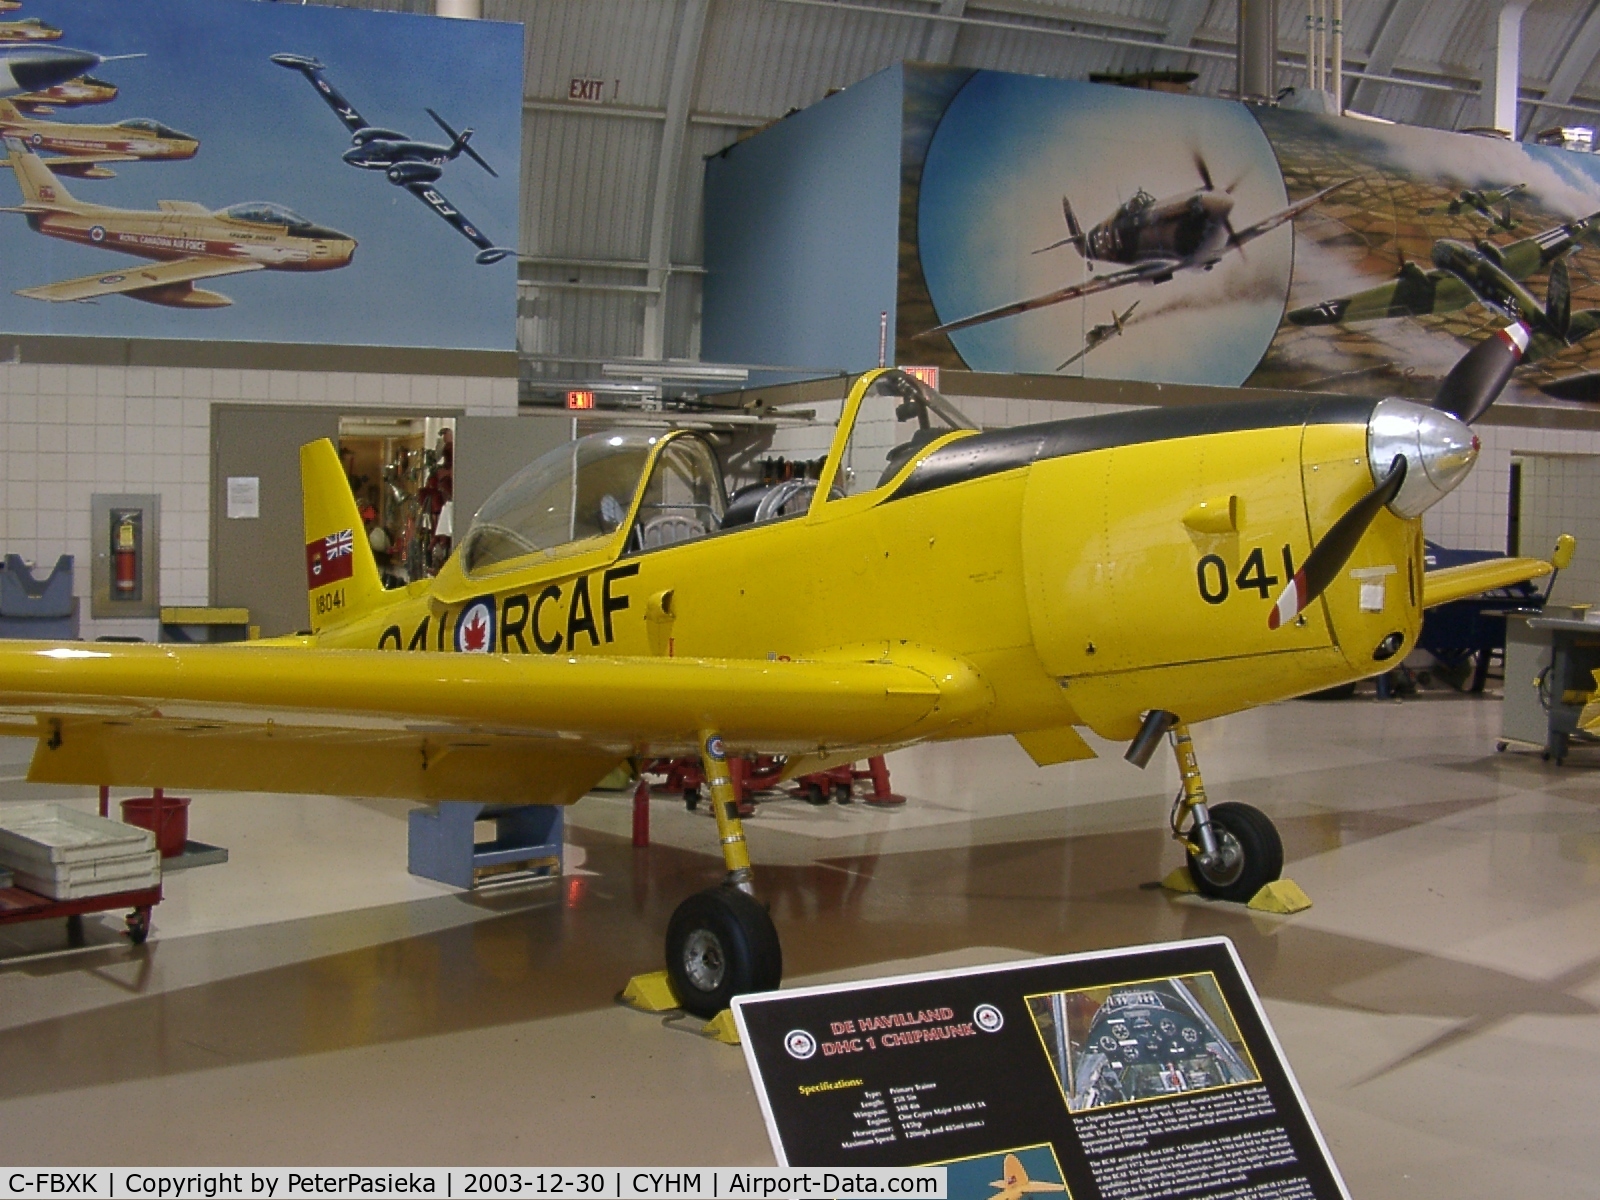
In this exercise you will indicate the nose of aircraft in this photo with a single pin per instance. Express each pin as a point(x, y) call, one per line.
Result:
point(37, 69)
point(1439, 451)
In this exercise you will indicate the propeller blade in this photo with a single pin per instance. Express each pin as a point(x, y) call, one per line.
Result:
point(1558, 299)
point(1477, 380)
point(1205, 172)
point(1328, 556)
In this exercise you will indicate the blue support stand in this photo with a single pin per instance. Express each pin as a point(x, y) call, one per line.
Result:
point(443, 845)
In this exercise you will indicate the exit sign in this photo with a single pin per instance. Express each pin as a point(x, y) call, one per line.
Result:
point(587, 91)
point(578, 400)
point(925, 375)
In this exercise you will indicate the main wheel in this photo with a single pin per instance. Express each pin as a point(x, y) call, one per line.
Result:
point(1250, 850)
point(721, 943)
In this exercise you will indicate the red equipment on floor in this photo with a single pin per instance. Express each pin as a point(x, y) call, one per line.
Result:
point(753, 775)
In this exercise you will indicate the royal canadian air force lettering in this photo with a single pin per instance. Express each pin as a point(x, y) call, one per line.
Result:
point(570, 616)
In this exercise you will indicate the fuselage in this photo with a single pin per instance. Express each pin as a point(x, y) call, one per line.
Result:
point(62, 138)
point(173, 235)
point(1489, 282)
point(1190, 229)
point(1073, 566)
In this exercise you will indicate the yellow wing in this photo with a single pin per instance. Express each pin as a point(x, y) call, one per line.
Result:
point(290, 717)
point(1457, 583)
point(136, 279)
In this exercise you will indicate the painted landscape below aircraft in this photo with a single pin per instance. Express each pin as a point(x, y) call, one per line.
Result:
point(86, 150)
point(189, 241)
point(1483, 273)
point(1151, 240)
point(407, 163)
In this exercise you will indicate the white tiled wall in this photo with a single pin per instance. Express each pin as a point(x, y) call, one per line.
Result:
point(1561, 494)
point(1473, 517)
point(69, 432)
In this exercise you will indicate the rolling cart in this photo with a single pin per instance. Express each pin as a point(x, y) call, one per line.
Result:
point(19, 904)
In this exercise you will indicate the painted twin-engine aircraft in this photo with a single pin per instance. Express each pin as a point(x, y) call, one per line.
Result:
point(1463, 273)
point(189, 241)
point(1151, 240)
point(1131, 573)
point(70, 93)
point(406, 162)
point(1482, 203)
point(85, 150)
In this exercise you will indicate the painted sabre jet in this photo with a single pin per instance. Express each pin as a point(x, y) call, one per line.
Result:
point(1483, 273)
point(30, 29)
point(1151, 240)
point(86, 149)
point(80, 89)
point(408, 163)
point(1482, 203)
point(189, 241)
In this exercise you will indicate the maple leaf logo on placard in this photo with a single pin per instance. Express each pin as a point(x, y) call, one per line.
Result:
point(475, 634)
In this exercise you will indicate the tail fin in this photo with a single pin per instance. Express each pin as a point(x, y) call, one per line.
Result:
point(1075, 236)
point(341, 573)
point(40, 188)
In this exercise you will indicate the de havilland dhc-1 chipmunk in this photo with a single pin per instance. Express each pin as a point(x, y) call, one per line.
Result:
point(405, 161)
point(1132, 573)
point(86, 150)
point(1150, 240)
point(189, 241)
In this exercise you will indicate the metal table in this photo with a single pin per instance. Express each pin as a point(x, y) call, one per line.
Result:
point(1550, 665)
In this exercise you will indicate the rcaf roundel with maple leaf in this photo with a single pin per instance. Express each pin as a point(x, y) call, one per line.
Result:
point(475, 627)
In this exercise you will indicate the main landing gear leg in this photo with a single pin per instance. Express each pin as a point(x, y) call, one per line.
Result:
point(1233, 849)
point(721, 942)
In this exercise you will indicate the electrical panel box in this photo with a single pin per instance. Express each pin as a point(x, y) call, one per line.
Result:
point(125, 568)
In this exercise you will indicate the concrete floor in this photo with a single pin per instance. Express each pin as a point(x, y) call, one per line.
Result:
point(311, 1003)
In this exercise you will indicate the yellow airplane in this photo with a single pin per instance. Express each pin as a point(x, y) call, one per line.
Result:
point(86, 149)
point(189, 241)
point(29, 29)
point(1130, 573)
point(82, 89)
point(1016, 1183)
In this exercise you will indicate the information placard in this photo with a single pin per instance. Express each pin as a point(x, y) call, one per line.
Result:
point(1133, 1074)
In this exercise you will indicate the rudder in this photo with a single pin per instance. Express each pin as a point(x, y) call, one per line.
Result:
point(40, 188)
point(341, 573)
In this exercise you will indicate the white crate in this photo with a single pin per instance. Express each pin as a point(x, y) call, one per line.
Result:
point(65, 854)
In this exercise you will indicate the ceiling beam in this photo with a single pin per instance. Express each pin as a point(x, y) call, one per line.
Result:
point(941, 43)
point(1392, 32)
point(1576, 61)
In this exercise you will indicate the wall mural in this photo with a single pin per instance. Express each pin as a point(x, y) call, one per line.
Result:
point(195, 186)
point(1068, 228)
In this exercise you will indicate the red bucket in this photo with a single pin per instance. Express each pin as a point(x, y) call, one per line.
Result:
point(171, 825)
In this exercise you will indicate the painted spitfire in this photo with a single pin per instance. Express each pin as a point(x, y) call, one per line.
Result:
point(1463, 274)
point(1129, 572)
point(406, 162)
point(1150, 240)
point(1098, 335)
point(188, 241)
point(1482, 203)
point(85, 150)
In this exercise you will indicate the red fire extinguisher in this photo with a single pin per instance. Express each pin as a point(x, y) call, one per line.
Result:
point(125, 555)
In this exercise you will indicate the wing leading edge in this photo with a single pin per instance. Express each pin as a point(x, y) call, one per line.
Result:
point(429, 726)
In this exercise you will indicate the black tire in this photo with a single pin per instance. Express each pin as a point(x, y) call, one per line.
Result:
point(815, 794)
point(1261, 860)
point(691, 798)
point(843, 793)
point(139, 926)
point(720, 944)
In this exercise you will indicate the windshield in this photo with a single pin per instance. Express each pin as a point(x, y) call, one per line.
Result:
point(146, 125)
point(899, 415)
point(575, 493)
